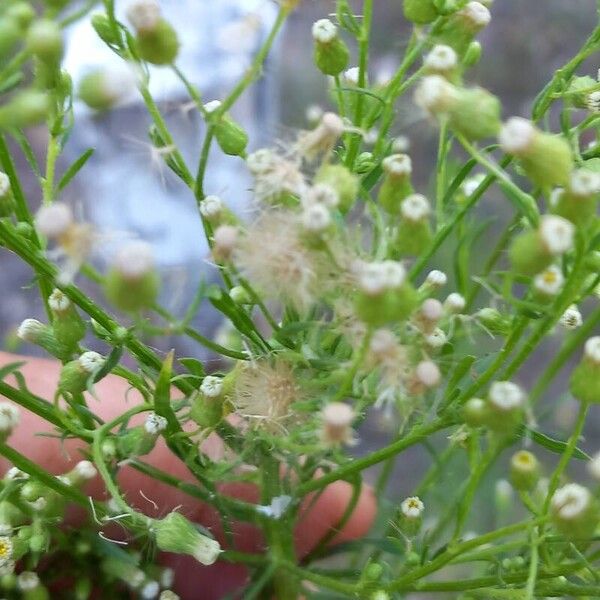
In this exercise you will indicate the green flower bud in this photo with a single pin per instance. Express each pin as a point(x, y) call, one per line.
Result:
point(23, 13)
point(546, 158)
point(34, 332)
point(411, 516)
point(123, 570)
point(8, 582)
point(45, 41)
point(160, 45)
point(577, 91)
point(101, 89)
point(473, 54)
point(420, 12)
point(396, 184)
point(206, 412)
point(77, 375)
point(373, 572)
point(461, 27)
point(68, 326)
point(10, 33)
point(140, 440)
point(345, 183)
point(579, 200)
point(475, 412)
point(574, 512)
point(240, 295)
point(7, 201)
point(331, 53)
point(230, 136)
point(365, 162)
point(132, 283)
point(524, 470)
point(585, 379)
point(103, 28)
point(494, 321)
point(476, 114)
point(176, 534)
point(414, 234)
point(26, 108)
point(506, 405)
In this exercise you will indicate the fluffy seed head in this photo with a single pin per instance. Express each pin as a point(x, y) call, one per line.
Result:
point(323, 137)
point(134, 260)
point(211, 207)
point(412, 508)
point(584, 183)
point(415, 208)
point(212, 386)
point(441, 59)
point(557, 234)
point(550, 281)
point(517, 135)
point(506, 395)
point(316, 218)
point(91, 362)
point(571, 318)
point(324, 31)
point(592, 349)
point(321, 193)
point(428, 374)
point(261, 161)
point(397, 165)
point(144, 15)
point(571, 501)
point(54, 221)
point(155, 424)
point(337, 420)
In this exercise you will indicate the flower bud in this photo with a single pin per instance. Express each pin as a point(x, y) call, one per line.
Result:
point(574, 512)
point(144, 15)
point(475, 412)
point(9, 419)
point(77, 375)
point(68, 326)
point(577, 91)
point(546, 158)
point(44, 41)
point(135, 441)
point(524, 470)
point(28, 107)
point(239, 294)
point(230, 136)
point(7, 201)
point(462, 26)
point(10, 34)
point(585, 379)
point(101, 88)
point(103, 28)
point(411, 515)
point(211, 208)
point(34, 332)
point(505, 406)
point(420, 12)
point(571, 318)
point(176, 534)
point(396, 184)
point(336, 428)
point(83, 472)
point(413, 234)
point(331, 53)
point(159, 45)
point(578, 201)
point(342, 181)
point(225, 239)
point(472, 55)
point(132, 282)
point(441, 60)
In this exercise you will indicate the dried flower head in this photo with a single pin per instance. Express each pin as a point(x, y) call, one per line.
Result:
point(322, 138)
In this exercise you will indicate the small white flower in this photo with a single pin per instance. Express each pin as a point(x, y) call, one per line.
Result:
point(6, 549)
point(412, 508)
point(324, 31)
point(397, 165)
point(550, 281)
point(155, 424)
point(517, 135)
point(557, 234)
point(316, 218)
point(436, 339)
point(150, 590)
point(85, 470)
point(4, 185)
point(455, 303)
point(144, 15)
point(30, 330)
point(54, 220)
point(91, 362)
point(28, 581)
point(432, 310)
point(442, 58)
point(277, 508)
point(477, 14)
point(212, 106)
point(351, 76)
point(435, 94)
point(321, 193)
point(428, 374)
point(211, 386)
point(584, 183)
point(571, 318)
point(9, 417)
point(400, 144)
point(375, 278)
point(592, 349)
point(134, 260)
point(436, 279)
point(211, 207)
point(506, 395)
point(594, 466)
point(58, 301)
point(571, 501)
point(415, 208)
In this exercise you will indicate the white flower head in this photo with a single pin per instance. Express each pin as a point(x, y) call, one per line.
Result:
point(211, 207)
point(592, 349)
point(6, 549)
point(212, 106)
point(412, 508)
point(91, 361)
point(212, 386)
point(58, 301)
point(436, 279)
point(155, 424)
point(167, 577)
point(415, 208)
point(476, 14)
point(571, 318)
point(593, 101)
point(16, 473)
point(397, 165)
point(436, 339)
point(428, 374)
point(85, 470)
point(337, 419)
point(549, 282)
point(30, 330)
point(149, 590)
point(517, 135)
point(432, 310)
point(506, 395)
point(324, 31)
point(584, 183)
point(321, 193)
point(4, 184)
point(435, 94)
point(372, 279)
point(134, 260)
point(225, 238)
point(54, 220)
point(441, 59)
point(144, 15)
point(351, 76)
point(28, 581)
point(594, 466)
point(455, 303)
point(9, 417)
point(557, 234)
point(571, 501)
point(168, 595)
point(316, 218)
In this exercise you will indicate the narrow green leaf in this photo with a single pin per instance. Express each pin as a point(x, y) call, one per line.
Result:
point(162, 393)
point(554, 445)
point(74, 169)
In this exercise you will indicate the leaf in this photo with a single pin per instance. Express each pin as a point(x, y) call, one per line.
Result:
point(194, 366)
point(74, 169)
point(27, 150)
point(11, 82)
point(554, 445)
point(162, 393)
point(110, 363)
point(10, 368)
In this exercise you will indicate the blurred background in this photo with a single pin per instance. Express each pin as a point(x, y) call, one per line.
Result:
point(126, 192)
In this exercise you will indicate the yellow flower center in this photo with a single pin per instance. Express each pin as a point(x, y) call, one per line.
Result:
point(5, 548)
